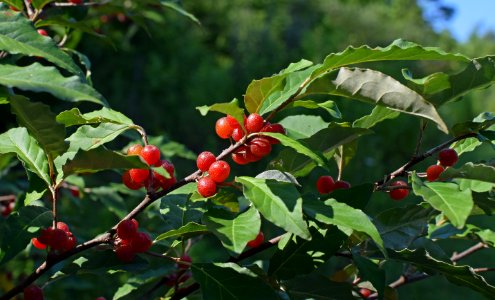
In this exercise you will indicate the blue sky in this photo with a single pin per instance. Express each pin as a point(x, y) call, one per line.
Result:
point(469, 15)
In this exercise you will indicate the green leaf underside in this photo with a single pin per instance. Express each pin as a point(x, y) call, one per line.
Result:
point(229, 281)
point(234, 231)
point(461, 275)
point(447, 198)
point(38, 78)
point(75, 117)
point(374, 87)
point(279, 202)
point(18, 141)
point(480, 172)
point(40, 122)
point(18, 36)
point(230, 108)
point(190, 229)
point(339, 214)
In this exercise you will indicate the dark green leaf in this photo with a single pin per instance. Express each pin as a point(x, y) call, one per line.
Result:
point(177, 210)
point(481, 122)
point(41, 3)
point(357, 196)
point(190, 229)
point(371, 272)
point(230, 281)
point(234, 231)
point(485, 201)
point(329, 106)
point(279, 202)
point(480, 172)
point(74, 117)
point(318, 287)
point(174, 6)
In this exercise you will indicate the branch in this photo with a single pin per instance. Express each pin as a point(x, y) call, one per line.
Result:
point(456, 257)
point(419, 158)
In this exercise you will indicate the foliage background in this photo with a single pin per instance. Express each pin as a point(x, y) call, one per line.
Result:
point(156, 68)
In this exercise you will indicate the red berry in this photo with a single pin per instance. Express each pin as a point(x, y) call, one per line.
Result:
point(399, 194)
point(125, 252)
point(74, 190)
point(254, 122)
point(223, 128)
point(58, 239)
point(139, 175)
point(239, 158)
point(101, 298)
point(276, 128)
point(447, 157)
point(204, 160)
point(168, 166)
point(237, 134)
point(167, 183)
point(46, 236)
point(70, 243)
point(325, 184)
point(219, 171)
point(257, 241)
point(135, 149)
point(365, 292)
point(33, 292)
point(37, 244)
point(63, 226)
point(76, 1)
point(150, 154)
point(207, 187)
point(141, 242)
point(127, 229)
point(184, 258)
point(260, 146)
point(433, 172)
point(341, 184)
point(129, 183)
point(42, 32)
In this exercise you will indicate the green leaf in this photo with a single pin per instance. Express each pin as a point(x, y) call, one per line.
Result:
point(378, 114)
point(325, 141)
point(40, 123)
point(19, 4)
point(466, 145)
point(38, 78)
point(17, 231)
point(371, 272)
point(88, 137)
point(230, 108)
point(429, 85)
point(258, 90)
point(41, 3)
point(190, 229)
point(177, 210)
point(486, 202)
point(234, 231)
point(329, 106)
point(110, 199)
point(481, 122)
point(18, 141)
point(279, 202)
point(18, 36)
point(299, 147)
point(400, 226)
point(480, 172)
point(318, 287)
point(398, 50)
point(303, 126)
point(376, 88)
point(230, 281)
point(339, 214)
point(74, 117)
point(357, 196)
point(461, 275)
point(301, 256)
point(174, 6)
point(447, 198)
point(279, 176)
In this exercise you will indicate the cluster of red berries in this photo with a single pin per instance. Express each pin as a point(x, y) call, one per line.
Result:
point(218, 171)
point(255, 148)
point(258, 240)
point(135, 179)
point(446, 158)
point(130, 241)
point(33, 292)
point(59, 238)
point(325, 184)
point(183, 273)
point(6, 207)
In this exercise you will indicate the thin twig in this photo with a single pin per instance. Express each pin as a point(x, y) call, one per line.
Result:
point(458, 256)
point(420, 138)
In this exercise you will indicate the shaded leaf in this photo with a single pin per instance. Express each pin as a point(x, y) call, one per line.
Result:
point(74, 117)
point(378, 114)
point(174, 6)
point(318, 287)
point(177, 210)
point(329, 106)
point(279, 202)
point(371, 272)
point(190, 229)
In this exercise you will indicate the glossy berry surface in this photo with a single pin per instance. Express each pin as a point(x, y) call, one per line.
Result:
point(260, 238)
point(254, 122)
point(141, 242)
point(399, 194)
point(37, 244)
point(325, 184)
point(139, 175)
point(433, 172)
point(168, 166)
point(276, 128)
point(341, 184)
point(45, 236)
point(365, 292)
point(447, 157)
point(207, 187)
point(33, 292)
point(127, 229)
point(260, 146)
point(184, 258)
point(219, 171)
point(70, 243)
point(237, 134)
point(63, 226)
point(125, 252)
point(223, 128)
point(129, 183)
point(204, 160)
point(135, 149)
point(150, 154)
point(42, 32)
point(58, 239)
point(239, 157)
